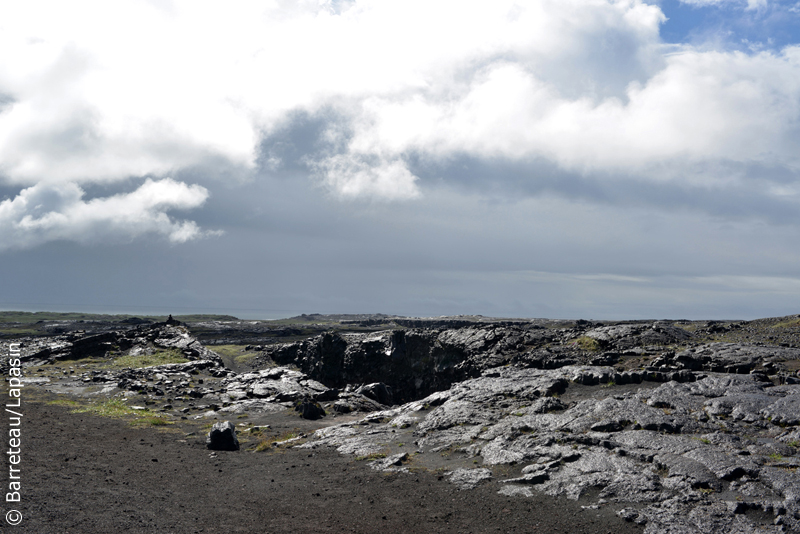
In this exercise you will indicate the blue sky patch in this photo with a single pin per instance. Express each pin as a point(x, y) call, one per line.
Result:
point(731, 25)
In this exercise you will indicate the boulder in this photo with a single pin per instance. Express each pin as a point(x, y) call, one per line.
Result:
point(222, 437)
point(309, 409)
point(378, 392)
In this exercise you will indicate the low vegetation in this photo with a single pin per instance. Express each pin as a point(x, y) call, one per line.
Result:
point(162, 357)
point(587, 343)
point(115, 408)
point(787, 324)
point(267, 444)
point(373, 456)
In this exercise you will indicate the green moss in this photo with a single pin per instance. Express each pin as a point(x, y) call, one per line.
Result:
point(231, 351)
point(267, 444)
point(17, 331)
point(787, 324)
point(373, 456)
point(108, 408)
point(587, 343)
point(115, 408)
point(148, 360)
point(151, 421)
point(246, 358)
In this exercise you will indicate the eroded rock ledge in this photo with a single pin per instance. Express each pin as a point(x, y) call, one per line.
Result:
point(678, 427)
point(714, 455)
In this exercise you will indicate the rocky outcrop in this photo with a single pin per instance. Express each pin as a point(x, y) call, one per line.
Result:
point(729, 358)
point(627, 336)
point(415, 362)
point(277, 384)
point(140, 340)
point(692, 456)
point(379, 392)
point(663, 422)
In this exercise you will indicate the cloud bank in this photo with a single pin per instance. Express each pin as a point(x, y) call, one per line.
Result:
point(99, 92)
point(42, 213)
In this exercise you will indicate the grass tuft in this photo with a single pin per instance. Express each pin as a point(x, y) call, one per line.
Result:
point(151, 421)
point(267, 444)
point(373, 456)
point(115, 408)
point(787, 324)
point(587, 343)
point(148, 360)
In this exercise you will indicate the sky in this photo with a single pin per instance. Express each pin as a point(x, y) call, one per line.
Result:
point(596, 159)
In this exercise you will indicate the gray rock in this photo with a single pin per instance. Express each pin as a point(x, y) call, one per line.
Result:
point(390, 463)
point(378, 391)
point(785, 411)
point(534, 477)
point(627, 336)
point(671, 450)
point(309, 409)
point(222, 437)
point(468, 478)
point(351, 402)
point(730, 357)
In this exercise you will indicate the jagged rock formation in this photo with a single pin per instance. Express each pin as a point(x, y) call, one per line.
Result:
point(682, 427)
point(414, 362)
point(628, 336)
point(680, 457)
point(141, 340)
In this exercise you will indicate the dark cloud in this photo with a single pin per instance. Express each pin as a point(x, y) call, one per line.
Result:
point(551, 160)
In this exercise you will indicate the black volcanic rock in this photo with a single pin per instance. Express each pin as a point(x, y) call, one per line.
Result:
point(309, 409)
point(222, 437)
point(379, 392)
point(142, 338)
point(680, 427)
point(412, 362)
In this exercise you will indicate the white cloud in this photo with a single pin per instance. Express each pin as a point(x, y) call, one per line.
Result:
point(352, 177)
point(45, 212)
point(104, 91)
point(701, 107)
point(750, 4)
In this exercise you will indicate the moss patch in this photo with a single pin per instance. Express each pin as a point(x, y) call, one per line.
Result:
point(148, 360)
point(267, 444)
point(373, 456)
point(787, 324)
point(231, 351)
point(587, 343)
point(115, 408)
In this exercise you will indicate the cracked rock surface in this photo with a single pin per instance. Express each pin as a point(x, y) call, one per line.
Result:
point(674, 426)
point(717, 454)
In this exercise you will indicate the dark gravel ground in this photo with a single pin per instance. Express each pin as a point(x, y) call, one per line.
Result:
point(84, 474)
